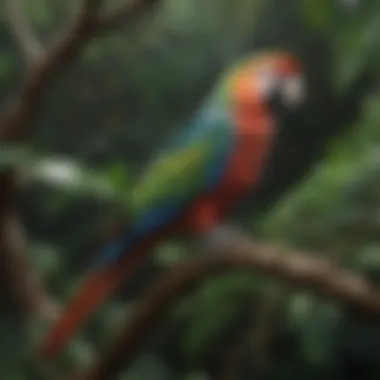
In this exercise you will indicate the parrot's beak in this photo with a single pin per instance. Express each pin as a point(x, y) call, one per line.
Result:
point(293, 91)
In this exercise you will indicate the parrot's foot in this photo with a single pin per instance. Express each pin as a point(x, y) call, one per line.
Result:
point(223, 239)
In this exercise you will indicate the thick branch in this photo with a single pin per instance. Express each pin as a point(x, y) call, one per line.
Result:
point(23, 107)
point(295, 268)
point(261, 337)
point(28, 44)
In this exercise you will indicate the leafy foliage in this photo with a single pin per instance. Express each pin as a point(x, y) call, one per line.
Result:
point(127, 94)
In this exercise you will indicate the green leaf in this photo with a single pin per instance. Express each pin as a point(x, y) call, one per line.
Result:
point(67, 175)
point(119, 176)
point(356, 45)
point(316, 321)
point(15, 157)
point(318, 12)
point(170, 254)
point(216, 306)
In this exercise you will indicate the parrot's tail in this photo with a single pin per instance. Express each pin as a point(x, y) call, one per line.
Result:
point(96, 289)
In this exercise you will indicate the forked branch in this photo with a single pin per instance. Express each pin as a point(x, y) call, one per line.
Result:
point(28, 44)
point(91, 19)
point(297, 269)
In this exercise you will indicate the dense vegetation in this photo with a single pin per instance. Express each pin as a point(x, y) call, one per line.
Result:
point(133, 87)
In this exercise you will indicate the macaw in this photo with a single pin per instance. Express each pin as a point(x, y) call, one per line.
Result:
point(193, 183)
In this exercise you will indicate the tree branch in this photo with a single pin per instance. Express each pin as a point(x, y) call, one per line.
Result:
point(16, 118)
point(21, 110)
point(297, 269)
point(23, 107)
point(29, 46)
point(260, 334)
point(23, 286)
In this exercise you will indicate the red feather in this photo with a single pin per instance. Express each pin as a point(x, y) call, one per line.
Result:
point(94, 291)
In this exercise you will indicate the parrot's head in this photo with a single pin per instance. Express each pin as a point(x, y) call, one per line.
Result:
point(266, 85)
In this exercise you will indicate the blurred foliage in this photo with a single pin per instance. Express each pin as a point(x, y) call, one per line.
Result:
point(126, 95)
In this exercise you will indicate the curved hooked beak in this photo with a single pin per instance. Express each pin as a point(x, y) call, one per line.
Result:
point(293, 90)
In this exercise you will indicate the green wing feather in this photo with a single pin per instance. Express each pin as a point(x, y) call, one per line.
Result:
point(179, 168)
point(176, 175)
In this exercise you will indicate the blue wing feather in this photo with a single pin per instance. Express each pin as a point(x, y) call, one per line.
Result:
point(205, 121)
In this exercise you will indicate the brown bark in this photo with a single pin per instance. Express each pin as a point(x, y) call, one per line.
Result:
point(296, 269)
point(260, 335)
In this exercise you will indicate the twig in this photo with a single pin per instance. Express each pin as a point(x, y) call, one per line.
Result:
point(29, 45)
point(298, 269)
point(23, 107)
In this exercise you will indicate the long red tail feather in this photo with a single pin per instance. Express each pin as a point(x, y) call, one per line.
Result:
point(96, 289)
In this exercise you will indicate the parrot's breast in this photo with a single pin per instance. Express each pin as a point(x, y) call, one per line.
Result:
point(252, 147)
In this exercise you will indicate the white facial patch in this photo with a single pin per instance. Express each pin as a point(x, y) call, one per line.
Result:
point(293, 90)
point(266, 83)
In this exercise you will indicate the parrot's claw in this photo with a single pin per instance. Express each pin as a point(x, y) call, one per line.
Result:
point(222, 239)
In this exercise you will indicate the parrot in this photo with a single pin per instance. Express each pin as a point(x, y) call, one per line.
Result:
point(193, 182)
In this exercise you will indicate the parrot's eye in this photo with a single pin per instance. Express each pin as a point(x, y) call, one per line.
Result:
point(292, 90)
point(286, 94)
